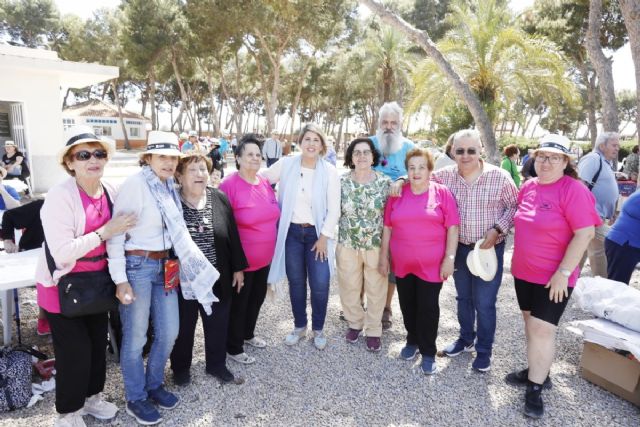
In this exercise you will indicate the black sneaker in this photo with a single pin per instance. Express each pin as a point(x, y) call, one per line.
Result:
point(182, 378)
point(521, 378)
point(533, 406)
point(223, 374)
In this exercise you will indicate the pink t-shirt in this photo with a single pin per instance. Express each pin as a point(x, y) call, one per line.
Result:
point(97, 214)
point(546, 219)
point(256, 212)
point(419, 230)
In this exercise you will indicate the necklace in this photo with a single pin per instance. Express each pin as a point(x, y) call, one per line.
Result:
point(97, 206)
point(202, 220)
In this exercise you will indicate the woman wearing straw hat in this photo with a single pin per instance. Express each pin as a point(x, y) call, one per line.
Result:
point(144, 268)
point(76, 220)
point(554, 223)
point(15, 163)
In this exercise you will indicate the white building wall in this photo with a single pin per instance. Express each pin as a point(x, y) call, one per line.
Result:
point(40, 95)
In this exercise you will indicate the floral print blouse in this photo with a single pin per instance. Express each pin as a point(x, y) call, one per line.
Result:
point(362, 211)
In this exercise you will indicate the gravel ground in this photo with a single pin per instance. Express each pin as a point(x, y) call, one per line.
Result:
point(346, 385)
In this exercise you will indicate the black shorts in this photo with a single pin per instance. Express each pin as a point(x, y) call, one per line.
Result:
point(535, 298)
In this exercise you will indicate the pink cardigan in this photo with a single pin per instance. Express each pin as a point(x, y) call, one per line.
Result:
point(63, 221)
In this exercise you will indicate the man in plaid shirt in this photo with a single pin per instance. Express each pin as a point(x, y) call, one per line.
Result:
point(487, 201)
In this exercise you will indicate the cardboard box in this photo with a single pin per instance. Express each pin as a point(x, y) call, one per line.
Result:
point(611, 371)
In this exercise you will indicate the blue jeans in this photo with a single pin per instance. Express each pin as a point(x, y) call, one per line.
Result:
point(301, 264)
point(146, 277)
point(477, 298)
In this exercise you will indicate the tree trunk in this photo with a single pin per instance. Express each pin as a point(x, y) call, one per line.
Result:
point(422, 39)
point(127, 146)
point(183, 94)
point(602, 65)
point(296, 100)
point(631, 14)
point(64, 100)
point(152, 99)
point(590, 84)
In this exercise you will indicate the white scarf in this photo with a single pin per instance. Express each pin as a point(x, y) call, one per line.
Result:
point(197, 275)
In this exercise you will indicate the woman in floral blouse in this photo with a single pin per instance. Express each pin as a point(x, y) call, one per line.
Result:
point(363, 195)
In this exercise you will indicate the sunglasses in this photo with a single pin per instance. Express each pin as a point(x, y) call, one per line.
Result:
point(84, 155)
point(470, 151)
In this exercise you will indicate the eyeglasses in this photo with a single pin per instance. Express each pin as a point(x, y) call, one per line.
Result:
point(84, 155)
point(470, 151)
point(365, 153)
point(554, 160)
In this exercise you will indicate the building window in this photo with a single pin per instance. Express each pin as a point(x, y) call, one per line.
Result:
point(5, 130)
point(134, 132)
point(102, 130)
point(67, 123)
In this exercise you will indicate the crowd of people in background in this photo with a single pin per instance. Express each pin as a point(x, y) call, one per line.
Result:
point(396, 219)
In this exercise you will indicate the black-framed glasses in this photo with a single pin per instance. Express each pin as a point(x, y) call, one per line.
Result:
point(553, 160)
point(469, 151)
point(84, 155)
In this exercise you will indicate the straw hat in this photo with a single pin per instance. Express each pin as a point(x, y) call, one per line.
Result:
point(554, 143)
point(82, 134)
point(483, 262)
point(160, 142)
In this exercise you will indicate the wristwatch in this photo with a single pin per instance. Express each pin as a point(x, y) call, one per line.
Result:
point(451, 257)
point(565, 272)
point(497, 228)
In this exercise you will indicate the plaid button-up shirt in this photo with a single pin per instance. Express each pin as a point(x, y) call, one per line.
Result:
point(490, 200)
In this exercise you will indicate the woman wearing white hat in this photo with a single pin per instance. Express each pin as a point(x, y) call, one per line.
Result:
point(554, 223)
point(15, 163)
point(76, 220)
point(145, 272)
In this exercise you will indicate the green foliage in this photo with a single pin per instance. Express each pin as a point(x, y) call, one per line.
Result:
point(429, 16)
point(30, 22)
point(454, 118)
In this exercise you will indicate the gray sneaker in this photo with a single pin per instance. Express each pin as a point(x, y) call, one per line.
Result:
point(319, 340)
point(295, 335)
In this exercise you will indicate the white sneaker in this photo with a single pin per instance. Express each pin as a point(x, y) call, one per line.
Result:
point(256, 342)
point(243, 358)
point(72, 419)
point(319, 340)
point(294, 337)
point(99, 408)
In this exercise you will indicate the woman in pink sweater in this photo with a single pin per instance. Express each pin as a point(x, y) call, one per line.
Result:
point(76, 220)
point(256, 212)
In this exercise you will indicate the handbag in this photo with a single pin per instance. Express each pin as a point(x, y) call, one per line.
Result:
point(87, 292)
point(15, 377)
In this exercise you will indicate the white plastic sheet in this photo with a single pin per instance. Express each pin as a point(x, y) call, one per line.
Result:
point(608, 299)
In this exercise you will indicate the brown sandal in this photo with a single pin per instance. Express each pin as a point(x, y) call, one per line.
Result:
point(386, 318)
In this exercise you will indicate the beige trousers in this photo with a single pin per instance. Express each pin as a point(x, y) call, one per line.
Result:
point(358, 268)
point(595, 252)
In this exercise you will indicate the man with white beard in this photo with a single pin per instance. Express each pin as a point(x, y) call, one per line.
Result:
point(393, 148)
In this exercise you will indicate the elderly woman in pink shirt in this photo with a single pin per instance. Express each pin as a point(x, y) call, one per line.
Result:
point(554, 224)
point(256, 212)
point(421, 234)
point(76, 218)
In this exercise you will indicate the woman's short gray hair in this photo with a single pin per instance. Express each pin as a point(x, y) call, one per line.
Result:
point(605, 137)
point(390, 107)
point(467, 133)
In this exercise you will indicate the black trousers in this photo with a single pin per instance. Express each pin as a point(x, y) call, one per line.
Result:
point(79, 345)
point(215, 334)
point(420, 311)
point(245, 308)
point(621, 260)
point(25, 217)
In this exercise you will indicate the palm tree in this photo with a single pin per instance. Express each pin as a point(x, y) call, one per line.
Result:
point(500, 62)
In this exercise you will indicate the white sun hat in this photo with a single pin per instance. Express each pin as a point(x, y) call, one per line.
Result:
point(483, 262)
point(82, 134)
point(160, 142)
point(554, 143)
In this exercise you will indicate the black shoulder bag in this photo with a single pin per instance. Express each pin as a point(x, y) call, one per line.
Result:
point(87, 292)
